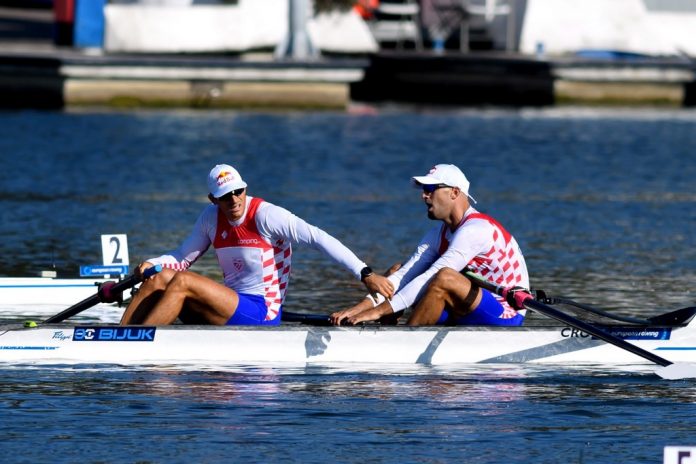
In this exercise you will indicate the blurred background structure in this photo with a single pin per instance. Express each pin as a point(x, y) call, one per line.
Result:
point(330, 52)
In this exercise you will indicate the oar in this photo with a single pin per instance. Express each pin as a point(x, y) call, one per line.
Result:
point(108, 292)
point(309, 319)
point(521, 298)
point(678, 317)
point(543, 298)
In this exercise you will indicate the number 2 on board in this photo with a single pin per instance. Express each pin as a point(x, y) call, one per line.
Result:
point(115, 249)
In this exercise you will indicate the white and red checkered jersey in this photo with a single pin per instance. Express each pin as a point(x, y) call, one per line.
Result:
point(479, 243)
point(255, 252)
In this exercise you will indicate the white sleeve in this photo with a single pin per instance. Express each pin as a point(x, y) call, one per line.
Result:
point(473, 238)
point(276, 222)
point(420, 260)
point(194, 245)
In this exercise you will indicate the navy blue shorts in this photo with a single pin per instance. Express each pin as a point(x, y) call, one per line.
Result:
point(251, 310)
point(488, 312)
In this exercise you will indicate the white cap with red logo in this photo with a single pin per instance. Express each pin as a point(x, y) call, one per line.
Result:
point(447, 174)
point(222, 179)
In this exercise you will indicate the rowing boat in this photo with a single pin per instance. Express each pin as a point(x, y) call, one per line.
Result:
point(626, 340)
point(672, 335)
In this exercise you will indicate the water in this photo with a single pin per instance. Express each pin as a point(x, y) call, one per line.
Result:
point(482, 415)
point(601, 201)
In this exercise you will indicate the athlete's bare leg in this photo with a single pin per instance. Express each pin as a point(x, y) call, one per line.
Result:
point(186, 294)
point(147, 296)
point(448, 289)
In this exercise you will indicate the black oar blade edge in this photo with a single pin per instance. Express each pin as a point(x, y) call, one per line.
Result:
point(679, 317)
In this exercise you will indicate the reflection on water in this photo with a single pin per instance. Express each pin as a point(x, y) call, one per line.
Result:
point(450, 384)
point(543, 413)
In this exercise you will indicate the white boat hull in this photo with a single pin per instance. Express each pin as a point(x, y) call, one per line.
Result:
point(295, 344)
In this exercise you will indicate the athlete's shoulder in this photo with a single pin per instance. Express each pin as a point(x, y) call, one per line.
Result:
point(475, 229)
point(208, 218)
point(268, 209)
point(472, 214)
point(476, 220)
point(273, 220)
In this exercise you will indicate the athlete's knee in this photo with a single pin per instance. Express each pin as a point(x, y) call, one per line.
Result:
point(446, 278)
point(165, 274)
point(159, 281)
point(179, 281)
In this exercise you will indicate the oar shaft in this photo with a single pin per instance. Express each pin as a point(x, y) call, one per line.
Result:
point(310, 319)
point(593, 310)
point(74, 309)
point(554, 313)
point(529, 302)
point(93, 300)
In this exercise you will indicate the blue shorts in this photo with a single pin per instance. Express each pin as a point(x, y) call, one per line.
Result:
point(486, 313)
point(251, 310)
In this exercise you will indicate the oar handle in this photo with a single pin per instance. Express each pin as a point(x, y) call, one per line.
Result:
point(515, 296)
point(110, 293)
point(526, 299)
point(106, 293)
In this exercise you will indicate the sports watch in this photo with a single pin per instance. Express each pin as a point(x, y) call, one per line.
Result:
point(365, 273)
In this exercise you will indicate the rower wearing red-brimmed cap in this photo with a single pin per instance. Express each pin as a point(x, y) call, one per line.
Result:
point(431, 280)
point(252, 240)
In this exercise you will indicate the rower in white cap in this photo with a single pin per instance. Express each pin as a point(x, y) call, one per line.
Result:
point(252, 240)
point(431, 280)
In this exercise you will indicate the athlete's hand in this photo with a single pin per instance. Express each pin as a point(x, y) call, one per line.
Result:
point(371, 314)
point(339, 316)
point(142, 266)
point(376, 283)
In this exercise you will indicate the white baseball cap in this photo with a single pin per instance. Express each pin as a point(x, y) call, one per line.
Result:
point(222, 179)
point(447, 174)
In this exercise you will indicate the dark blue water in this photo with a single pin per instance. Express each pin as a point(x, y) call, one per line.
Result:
point(602, 202)
point(505, 414)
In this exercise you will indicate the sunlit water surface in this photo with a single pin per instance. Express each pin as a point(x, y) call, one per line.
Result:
point(602, 203)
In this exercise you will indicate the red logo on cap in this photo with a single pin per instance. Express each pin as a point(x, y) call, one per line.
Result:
point(222, 177)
